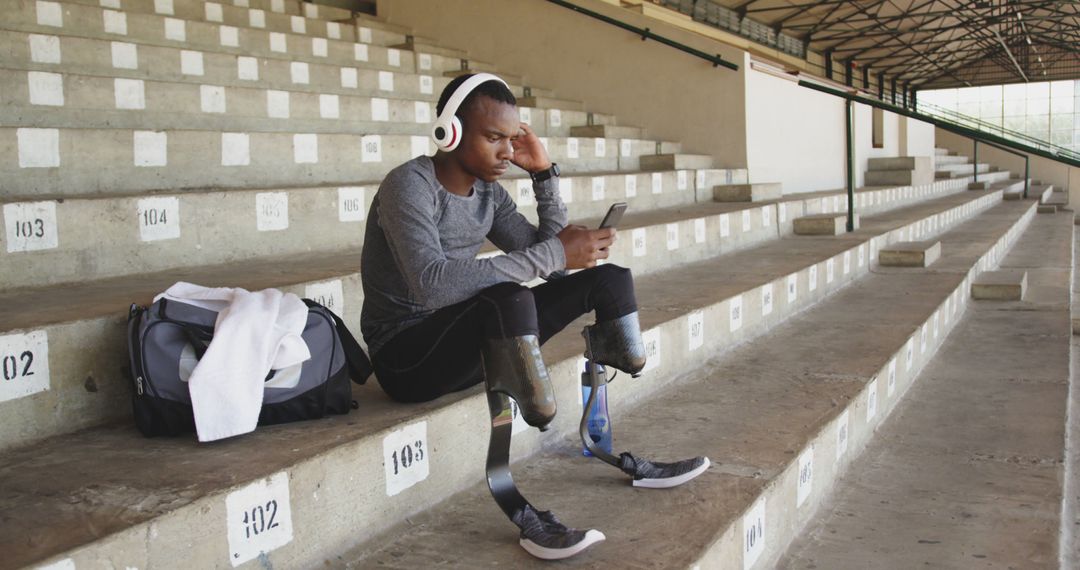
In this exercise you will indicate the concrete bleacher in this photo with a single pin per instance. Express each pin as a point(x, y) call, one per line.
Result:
point(258, 171)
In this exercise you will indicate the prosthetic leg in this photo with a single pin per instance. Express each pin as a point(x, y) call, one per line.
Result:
point(617, 343)
point(513, 367)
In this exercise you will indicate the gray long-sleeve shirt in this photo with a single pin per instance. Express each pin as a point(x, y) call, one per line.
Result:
point(421, 242)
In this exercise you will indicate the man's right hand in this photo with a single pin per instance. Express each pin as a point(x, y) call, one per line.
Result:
point(584, 246)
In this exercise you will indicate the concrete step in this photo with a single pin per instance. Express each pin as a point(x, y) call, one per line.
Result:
point(315, 453)
point(550, 102)
point(910, 254)
point(1005, 285)
point(465, 67)
point(780, 449)
point(427, 45)
point(941, 152)
point(761, 192)
point(86, 15)
point(667, 161)
point(608, 131)
point(194, 8)
point(951, 160)
point(45, 99)
point(969, 440)
point(954, 170)
point(824, 224)
point(898, 163)
point(84, 162)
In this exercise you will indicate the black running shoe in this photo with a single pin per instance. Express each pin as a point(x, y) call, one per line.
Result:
point(661, 475)
point(543, 536)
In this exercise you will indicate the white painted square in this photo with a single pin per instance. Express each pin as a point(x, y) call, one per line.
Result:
point(365, 35)
point(49, 14)
point(891, 385)
point(566, 190)
point(164, 7)
point(306, 148)
point(766, 299)
point(626, 148)
point(329, 294)
point(393, 57)
point(159, 218)
point(699, 180)
point(24, 365)
point(830, 270)
point(349, 77)
point(351, 204)
point(630, 185)
point(371, 148)
point(247, 68)
point(862, 255)
point(212, 98)
point(427, 86)
point(766, 217)
point(277, 104)
point(115, 4)
point(38, 148)
point(259, 518)
point(424, 62)
point(114, 22)
point(175, 30)
point(235, 149)
point(524, 113)
point(871, 400)
point(672, 233)
point(792, 288)
point(651, 340)
point(229, 36)
point(524, 193)
point(213, 12)
point(571, 148)
point(191, 62)
point(812, 278)
point(843, 430)
point(46, 88)
point(637, 236)
point(125, 55)
point(319, 47)
point(699, 230)
point(735, 313)
point(420, 146)
point(406, 457)
point(554, 118)
point(598, 188)
point(682, 180)
point(30, 226)
point(298, 24)
point(333, 30)
point(256, 18)
point(380, 109)
point(422, 112)
point(360, 52)
point(753, 529)
point(725, 225)
point(599, 148)
point(657, 183)
point(150, 148)
point(386, 81)
point(847, 262)
point(298, 71)
point(44, 49)
point(805, 483)
point(696, 330)
point(272, 211)
point(311, 10)
point(278, 42)
point(746, 221)
point(329, 106)
point(937, 320)
point(129, 93)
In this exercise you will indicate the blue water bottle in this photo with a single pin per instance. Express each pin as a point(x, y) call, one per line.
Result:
point(598, 423)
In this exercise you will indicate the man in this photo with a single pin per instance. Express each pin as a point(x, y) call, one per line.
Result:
point(438, 320)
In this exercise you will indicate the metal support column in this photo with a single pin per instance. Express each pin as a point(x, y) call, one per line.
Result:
point(849, 114)
point(975, 159)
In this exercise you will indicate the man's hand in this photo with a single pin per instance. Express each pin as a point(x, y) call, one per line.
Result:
point(584, 246)
point(529, 154)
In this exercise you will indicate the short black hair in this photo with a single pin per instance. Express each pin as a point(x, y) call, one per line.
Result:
point(491, 89)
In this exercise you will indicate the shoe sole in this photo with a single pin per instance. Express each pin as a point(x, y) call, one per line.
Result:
point(669, 482)
point(544, 553)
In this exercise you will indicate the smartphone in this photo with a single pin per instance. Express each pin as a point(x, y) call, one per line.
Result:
point(614, 215)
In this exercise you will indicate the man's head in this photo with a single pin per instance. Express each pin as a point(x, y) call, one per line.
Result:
point(489, 120)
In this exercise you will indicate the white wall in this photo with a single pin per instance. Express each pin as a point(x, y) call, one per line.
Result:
point(864, 139)
point(917, 137)
point(793, 135)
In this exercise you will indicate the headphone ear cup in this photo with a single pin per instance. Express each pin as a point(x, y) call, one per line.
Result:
point(440, 133)
point(454, 136)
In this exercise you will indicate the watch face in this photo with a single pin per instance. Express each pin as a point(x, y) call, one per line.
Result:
point(554, 169)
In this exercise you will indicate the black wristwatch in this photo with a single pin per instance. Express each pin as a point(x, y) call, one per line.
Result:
point(545, 174)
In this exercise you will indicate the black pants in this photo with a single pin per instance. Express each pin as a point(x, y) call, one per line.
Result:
point(441, 354)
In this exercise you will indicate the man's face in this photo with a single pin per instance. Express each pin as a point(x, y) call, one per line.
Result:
point(485, 150)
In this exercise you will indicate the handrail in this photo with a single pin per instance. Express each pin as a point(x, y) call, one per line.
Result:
point(942, 124)
point(1027, 162)
point(985, 126)
point(647, 34)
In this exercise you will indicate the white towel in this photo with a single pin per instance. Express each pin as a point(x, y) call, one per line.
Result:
point(255, 333)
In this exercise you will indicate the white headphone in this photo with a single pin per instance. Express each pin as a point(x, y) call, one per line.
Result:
point(446, 132)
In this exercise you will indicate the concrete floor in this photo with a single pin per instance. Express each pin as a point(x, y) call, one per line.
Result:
point(969, 470)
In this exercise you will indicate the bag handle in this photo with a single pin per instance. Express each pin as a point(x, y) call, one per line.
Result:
point(355, 358)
